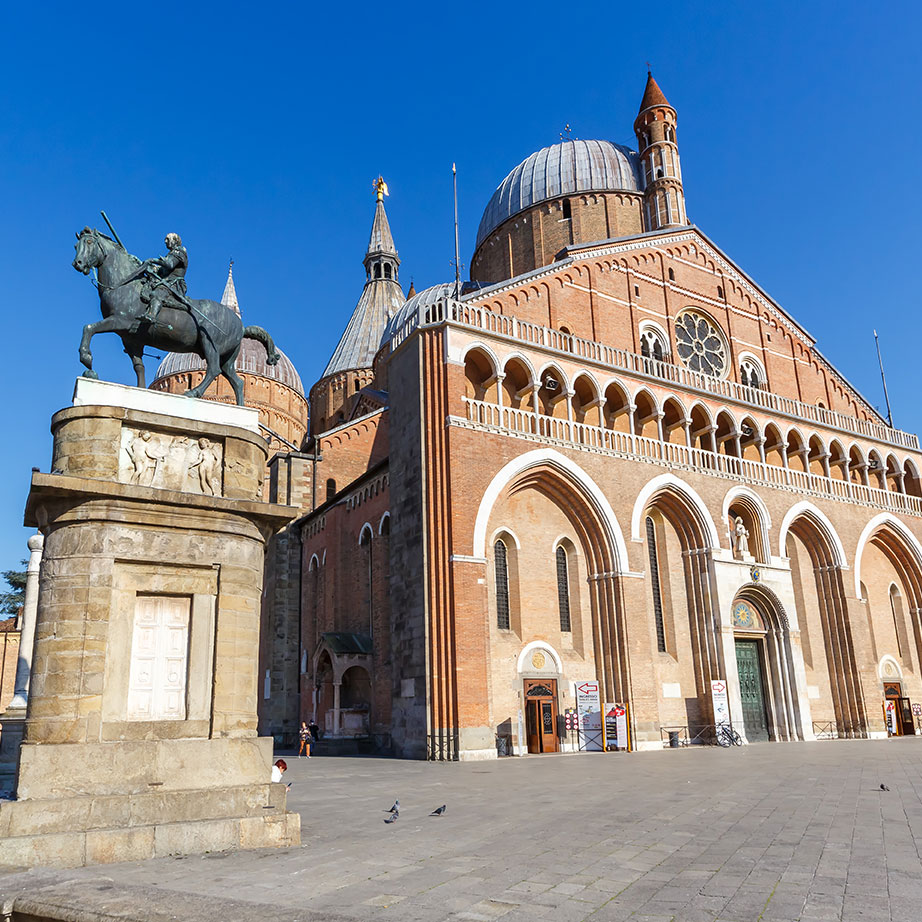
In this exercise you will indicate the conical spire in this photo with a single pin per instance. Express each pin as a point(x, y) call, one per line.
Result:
point(652, 94)
point(229, 298)
point(381, 242)
point(380, 299)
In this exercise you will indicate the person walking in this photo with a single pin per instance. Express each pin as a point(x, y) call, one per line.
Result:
point(304, 735)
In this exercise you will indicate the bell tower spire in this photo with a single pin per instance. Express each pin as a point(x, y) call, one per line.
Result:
point(381, 260)
point(655, 127)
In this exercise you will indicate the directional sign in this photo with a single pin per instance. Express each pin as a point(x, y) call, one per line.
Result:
point(589, 714)
point(721, 701)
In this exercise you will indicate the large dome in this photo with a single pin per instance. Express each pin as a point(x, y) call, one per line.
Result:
point(562, 169)
point(251, 359)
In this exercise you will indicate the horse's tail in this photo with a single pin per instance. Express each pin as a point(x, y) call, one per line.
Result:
point(258, 333)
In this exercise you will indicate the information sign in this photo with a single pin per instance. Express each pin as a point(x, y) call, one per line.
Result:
point(589, 715)
point(615, 726)
point(721, 701)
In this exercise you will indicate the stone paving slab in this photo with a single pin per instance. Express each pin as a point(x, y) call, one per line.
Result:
point(763, 833)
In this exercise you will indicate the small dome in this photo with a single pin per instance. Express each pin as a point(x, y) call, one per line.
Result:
point(425, 298)
point(562, 169)
point(251, 360)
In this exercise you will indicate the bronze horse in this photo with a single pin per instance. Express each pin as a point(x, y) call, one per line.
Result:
point(210, 330)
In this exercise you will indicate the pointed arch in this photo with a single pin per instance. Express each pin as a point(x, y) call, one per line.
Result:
point(669, 483)
point(570, 473)
point(758, 514)
point(823, 525)
point(900, 544)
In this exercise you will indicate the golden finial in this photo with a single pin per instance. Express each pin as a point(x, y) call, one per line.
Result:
point(381, 188)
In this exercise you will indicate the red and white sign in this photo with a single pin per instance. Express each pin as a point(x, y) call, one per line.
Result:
point(589, 713)
point(721, 701)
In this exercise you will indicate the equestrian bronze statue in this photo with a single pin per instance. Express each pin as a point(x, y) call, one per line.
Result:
point(146, 304)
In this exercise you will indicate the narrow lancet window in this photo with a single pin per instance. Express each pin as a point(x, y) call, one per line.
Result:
point(502, 586)
point(654, 580)
point(563, 590)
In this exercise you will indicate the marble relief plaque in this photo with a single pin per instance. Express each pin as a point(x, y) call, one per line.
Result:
point(171, 462)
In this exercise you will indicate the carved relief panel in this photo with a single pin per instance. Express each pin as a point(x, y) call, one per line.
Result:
point(171, 462)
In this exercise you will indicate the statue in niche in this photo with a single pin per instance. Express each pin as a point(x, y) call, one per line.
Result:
point(208, 466)
point(741, 537)
point(146, 456)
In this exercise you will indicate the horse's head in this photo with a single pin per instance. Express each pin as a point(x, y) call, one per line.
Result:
point(90, 253)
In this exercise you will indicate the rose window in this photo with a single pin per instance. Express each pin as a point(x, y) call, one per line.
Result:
point(700, 345)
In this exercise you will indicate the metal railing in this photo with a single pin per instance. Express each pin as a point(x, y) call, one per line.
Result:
point(825, 730)
point(691, 735)
point(527, 424)
point(480, 318)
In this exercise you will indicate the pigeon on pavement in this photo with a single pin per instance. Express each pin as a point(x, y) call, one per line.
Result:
point(392, 818)
point(395, 808)
point(884, 787)
point(438, 811)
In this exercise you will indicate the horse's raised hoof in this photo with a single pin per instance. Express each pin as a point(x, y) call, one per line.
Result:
point(89, 373)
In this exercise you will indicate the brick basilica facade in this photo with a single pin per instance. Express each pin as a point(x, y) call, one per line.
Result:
point(611, 457)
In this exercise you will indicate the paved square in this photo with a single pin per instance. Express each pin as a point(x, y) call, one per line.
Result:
point(774, 832)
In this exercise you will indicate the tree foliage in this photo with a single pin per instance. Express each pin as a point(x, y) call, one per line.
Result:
point(11, 600)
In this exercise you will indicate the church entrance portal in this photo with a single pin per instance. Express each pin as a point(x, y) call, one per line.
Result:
point(541, 715)
point(752, 694)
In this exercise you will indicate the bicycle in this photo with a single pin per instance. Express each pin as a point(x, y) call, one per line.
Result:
point(727, 736)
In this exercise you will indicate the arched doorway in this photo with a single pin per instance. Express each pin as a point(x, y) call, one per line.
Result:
point(765, 666)
point(355, 702)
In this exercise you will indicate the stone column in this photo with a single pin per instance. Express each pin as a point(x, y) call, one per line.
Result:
point(27, 627)
point(336, 687)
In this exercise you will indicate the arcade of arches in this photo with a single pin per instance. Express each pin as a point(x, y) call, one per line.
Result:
point(802, 652)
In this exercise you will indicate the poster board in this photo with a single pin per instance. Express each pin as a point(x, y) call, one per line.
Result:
point(616, 726)
point(589, 716)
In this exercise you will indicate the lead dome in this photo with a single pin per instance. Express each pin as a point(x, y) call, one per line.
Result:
point(562, 169)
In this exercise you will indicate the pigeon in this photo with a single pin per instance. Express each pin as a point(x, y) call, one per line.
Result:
point(395, 808)
point(884, 787)
point(438, 811)
point(392, 818)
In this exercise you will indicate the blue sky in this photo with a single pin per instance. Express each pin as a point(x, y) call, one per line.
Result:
point(256, 132)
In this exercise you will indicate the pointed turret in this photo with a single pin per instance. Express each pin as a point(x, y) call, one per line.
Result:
point(655, 127)
point(350, 366)
point(652, 95)
point(229, 298)
point(412, 290)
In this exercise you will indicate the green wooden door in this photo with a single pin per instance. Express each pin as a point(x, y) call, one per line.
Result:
point(750, 671)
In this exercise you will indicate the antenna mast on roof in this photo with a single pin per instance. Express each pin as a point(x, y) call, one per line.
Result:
point(883, 380)
point(454, 179)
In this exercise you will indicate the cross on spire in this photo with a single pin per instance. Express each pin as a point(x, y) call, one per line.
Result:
point(567, 133)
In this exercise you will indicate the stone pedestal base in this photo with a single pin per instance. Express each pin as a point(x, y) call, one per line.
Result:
point(126, 800)
point(140, 738)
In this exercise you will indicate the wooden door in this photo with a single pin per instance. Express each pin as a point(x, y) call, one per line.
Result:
point(749, 664)
point(904, 712)
point(541, 715)
point(893, 696)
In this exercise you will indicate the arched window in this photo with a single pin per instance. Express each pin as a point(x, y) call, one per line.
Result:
point(563, 590)
point(387, 270)
point(750, 374)
point(385, 527)
point(502, 585)
point(331, 489)
point(671, 275)
point(378, 270)
point(567, 210)
point(651, 344)
point(657, 593)
point(720, 291)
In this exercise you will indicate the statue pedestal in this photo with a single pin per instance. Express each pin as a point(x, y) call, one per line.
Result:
point(140, 735)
